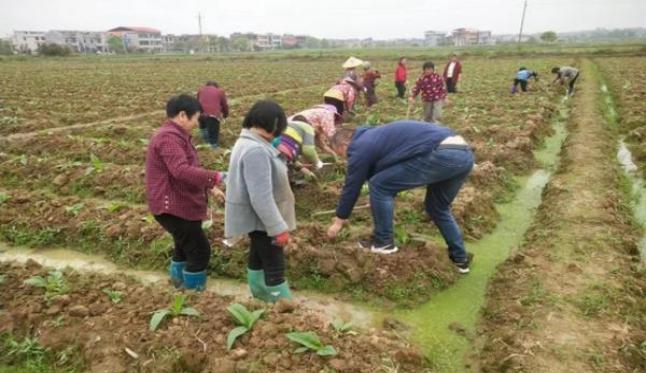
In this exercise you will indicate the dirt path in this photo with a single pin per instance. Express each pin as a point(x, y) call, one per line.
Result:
point(572, 298)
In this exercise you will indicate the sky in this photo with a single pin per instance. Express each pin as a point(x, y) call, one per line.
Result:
point(324, 18)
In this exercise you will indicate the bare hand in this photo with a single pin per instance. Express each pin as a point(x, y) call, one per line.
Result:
point(218, 194)
point(336, 226)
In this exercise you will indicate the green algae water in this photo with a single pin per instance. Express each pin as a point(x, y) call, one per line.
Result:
point(434, 322)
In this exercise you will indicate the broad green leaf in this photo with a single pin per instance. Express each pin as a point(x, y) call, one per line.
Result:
point(255, 315)
point(234, 334)
point(307, 339)
point(240, 313)
point(326, 351)
point(190, 311)
point(36, 281)
point(178, 304)
point(300, 350)
point(157, 318)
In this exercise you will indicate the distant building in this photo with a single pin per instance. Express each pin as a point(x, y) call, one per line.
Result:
point(79, 41)
point(268, 41)
point(144, 39)
point(289, 41)
point(28, 41)
point(434, 38)
point(464, 37)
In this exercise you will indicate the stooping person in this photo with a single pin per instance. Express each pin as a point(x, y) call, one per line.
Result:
point(298, 139)
point(342, 96)
point(567, 74)
point(324, 119)
point(522, 77)
point(259, 200)
point(433, 91)
point(370, 77)
point(399, 156)
point(177, 189)
point(215, 109)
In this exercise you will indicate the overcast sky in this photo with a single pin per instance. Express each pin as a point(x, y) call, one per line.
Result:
point(324, 18)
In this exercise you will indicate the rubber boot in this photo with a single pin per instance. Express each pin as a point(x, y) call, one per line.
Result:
point(256, 281)
point(194, 280)
point(175, 270)
point(274, 293)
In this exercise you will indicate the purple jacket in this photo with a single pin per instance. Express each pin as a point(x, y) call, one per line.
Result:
point(175, 182)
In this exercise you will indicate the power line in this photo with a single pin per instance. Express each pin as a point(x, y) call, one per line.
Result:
point(522, 22)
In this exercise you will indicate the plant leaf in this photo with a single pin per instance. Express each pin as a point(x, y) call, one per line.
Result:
point(190, 311)
point(326, 351)
point(36, 281)
point(307, 339)
point(255, 315)
point(178, 304)
point(234, 334)
point(157, 318)
point(240, 313)
point(300, 350)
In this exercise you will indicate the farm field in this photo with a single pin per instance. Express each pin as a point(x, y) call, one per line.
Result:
point(73, 136)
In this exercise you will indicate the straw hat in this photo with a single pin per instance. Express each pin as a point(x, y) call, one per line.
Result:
point(352, 62)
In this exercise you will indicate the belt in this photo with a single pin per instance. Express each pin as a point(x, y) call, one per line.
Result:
point(453, 142)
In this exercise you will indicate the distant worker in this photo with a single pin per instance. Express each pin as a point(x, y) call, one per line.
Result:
point(324, 119)
point(342, 96)
point(350, 66)
point(400, 156)
point(176, 190)
point(214, 103)
point(522, 77)
point(259, 200)
point(298, 139)
point(566, 73)
point(433, 91)
point(370, 77)
point(401, 76)
point(452, 73)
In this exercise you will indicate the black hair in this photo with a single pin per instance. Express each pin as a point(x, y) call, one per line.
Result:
point(268, 115)
point(300, 118)
point(342, 136)
point(186, 103)
point(555, 70)
point(522, 68)
point(212, 83)
point(428, 65)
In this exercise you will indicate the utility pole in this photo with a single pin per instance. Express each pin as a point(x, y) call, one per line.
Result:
point(199, 22)
point(522, 22)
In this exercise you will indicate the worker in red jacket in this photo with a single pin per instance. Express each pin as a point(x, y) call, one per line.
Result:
point(452, 73)
point(400, 77)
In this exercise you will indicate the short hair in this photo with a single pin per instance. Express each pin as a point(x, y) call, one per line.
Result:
point(186, 103)
point(522, 68)
point(300, 118)
point(428, 65)
point(268, 115)
point(555, 70)
point(342, 136)
point(401, 59)
point(213, 83)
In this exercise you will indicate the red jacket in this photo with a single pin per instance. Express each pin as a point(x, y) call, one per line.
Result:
point(400, 73)
point(175, 182)
point(456, 70)
point(213, 101)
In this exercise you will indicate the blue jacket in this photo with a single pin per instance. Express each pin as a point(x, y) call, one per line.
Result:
point(374, 149)
point(525, 74)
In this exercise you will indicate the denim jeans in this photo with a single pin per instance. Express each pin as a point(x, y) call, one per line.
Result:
point(443, 172)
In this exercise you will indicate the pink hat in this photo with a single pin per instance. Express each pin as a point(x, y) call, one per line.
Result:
point(328, 107)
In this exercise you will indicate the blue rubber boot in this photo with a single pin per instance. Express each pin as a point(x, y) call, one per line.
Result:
point(274, 293)
point(175, 270)
point(194, 280)
point(257, 286)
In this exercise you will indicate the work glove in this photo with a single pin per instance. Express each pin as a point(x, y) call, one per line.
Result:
point(281, 239)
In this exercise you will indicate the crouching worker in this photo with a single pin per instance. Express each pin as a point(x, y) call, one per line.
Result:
point(400, 156)
point(522, 78)
point(259, 200)
point(177, 189)
point(298, 139)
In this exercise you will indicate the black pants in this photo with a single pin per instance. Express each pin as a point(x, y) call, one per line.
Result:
point(270, 258)
point(191, 244)
point(401, 89)
point(570, 89)
point(451, 85)
point(338, 104)
point(212, 127)
point(523, 84)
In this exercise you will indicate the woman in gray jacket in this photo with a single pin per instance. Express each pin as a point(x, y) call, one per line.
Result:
point(259, 200)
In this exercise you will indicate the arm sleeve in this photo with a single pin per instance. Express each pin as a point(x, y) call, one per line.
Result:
point(416, 89)
point(309, 151)
point(256, 171)
point(171, 152)
point(358, 169)
point(351, 97)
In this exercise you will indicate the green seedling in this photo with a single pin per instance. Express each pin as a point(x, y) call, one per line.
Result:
point(54, 284)
point(113, 207)
point(96, 164)
point(342, 327)
point(1, 279)
point(115, 296)
point(4, 197)
point(75, 209)
point(178, 308)
point(244, 319)
point(401, 235)
point(310, 342)
point(28, 349)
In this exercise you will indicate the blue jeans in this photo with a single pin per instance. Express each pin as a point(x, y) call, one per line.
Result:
point(443, 172)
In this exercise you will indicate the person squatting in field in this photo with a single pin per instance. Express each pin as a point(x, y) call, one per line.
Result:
point(324, 119)
point(215, 108)
point(298, 139)
point(566, 74)
point(433, 91)
point(259, 200)
point(522, 77)
point(177, 191)
point(370, 77)
point(399, 156)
